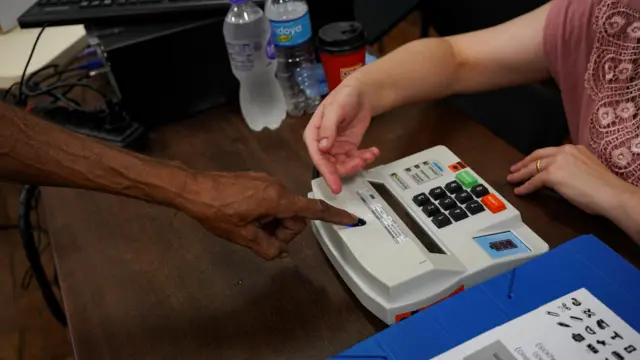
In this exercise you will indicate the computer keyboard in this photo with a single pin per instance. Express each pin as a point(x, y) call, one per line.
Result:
point(116, 12)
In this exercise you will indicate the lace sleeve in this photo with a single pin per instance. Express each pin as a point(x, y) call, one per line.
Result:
point(612, 80)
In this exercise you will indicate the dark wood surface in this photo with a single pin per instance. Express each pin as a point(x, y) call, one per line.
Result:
point(27, 330)
point(146, 282)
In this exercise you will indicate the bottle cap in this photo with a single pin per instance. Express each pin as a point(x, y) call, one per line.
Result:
point(341, 37)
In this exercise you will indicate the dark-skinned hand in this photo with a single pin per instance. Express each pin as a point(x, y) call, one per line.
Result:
point(255, 210)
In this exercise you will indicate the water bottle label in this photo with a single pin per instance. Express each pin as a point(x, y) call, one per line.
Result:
point(291, 33)
point(270, 49)
point(246, 55)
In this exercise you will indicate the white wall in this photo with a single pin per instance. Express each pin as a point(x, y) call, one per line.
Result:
point(9, 12)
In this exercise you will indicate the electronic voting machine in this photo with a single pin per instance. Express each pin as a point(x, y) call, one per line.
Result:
point(433, 228)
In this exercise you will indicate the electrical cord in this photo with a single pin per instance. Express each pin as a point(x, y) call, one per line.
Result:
point(57, 84)
point(66, 85)
point(41, 83)
point(33, 83)
point(6, 94)
point(26, 66)
point(28, 274)
point(27, 86)
point(29, 198)
point(64, 95)
point(87, 66)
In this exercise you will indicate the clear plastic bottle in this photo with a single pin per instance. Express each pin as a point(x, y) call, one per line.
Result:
point(292, 36)
point(252, 55)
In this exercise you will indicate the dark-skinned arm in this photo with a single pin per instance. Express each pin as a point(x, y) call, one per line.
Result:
point(249, 209)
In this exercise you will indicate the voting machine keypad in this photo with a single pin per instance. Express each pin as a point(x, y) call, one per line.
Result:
point(447, 203)
point(474, 207)
point(437, 193)
point(463, 197)
point(421, 200)
point(453, 187)
point(432, 210)
point(458, 214)
point(457, 200)
point(441, 220)
point(479, 191)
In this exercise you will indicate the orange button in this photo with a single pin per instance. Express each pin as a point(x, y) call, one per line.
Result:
point(494, 204)
point(460, 165)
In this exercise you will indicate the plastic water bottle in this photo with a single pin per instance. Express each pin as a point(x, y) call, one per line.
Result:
point(252, 55)
point(292, 36)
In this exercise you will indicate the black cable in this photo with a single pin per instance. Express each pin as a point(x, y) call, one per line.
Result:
point(25, 283)
point(66, 85)
point(59, 74)
point(24, 86)
point(28, 274)
point(26, 66)
point(31, 77)
point(6, 94)
point(33, 85)
point(83, 77)
point(29, 194)
point(36, 208)
point(34, 90)
point(64, 96)
point(31, 81)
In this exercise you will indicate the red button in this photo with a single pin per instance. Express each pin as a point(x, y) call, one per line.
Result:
point(494, 204)
point(460, 165)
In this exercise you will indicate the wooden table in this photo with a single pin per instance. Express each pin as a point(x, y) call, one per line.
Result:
point(145, 282)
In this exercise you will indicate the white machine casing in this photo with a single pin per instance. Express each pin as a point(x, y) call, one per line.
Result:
point(394, 279)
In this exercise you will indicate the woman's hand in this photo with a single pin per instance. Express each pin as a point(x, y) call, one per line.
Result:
point(254, 210)
point(574, 172)
point(334, 134)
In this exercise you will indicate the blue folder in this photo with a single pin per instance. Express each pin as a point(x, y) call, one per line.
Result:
point(584, 262)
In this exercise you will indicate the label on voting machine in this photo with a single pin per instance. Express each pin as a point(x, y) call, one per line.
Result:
point(574, 327)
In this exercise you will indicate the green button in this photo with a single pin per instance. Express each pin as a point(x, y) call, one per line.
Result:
point(466, 179)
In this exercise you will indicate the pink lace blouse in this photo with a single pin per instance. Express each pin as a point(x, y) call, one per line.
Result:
point(593, 51)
